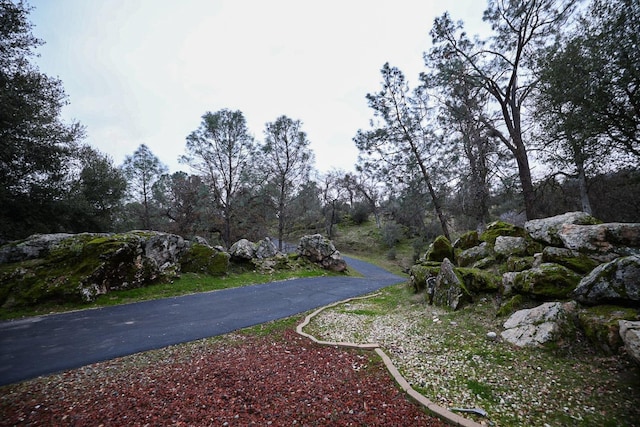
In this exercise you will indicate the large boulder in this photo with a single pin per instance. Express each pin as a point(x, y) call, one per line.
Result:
point(164, 249)
point(630, 334)
point(506, 246)
point(617, 281)
point(204, 259)
point(546, 230)
point(243, 250)
point(547, 282)
point(439, 249)
point(265, 248)
point(320, 250)
point(539, 325)
point(450, 290)
point(81, 267)
point(602, 242)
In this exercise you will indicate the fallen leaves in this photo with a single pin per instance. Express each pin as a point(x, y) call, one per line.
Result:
point(278, 380)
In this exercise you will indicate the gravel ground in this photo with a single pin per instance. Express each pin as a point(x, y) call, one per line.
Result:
point(448, 358)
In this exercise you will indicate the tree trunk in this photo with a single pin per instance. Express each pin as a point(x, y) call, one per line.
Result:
point(585, 203)
point(280, 222)
point(524, 172)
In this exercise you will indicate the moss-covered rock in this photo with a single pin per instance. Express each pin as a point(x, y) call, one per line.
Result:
point(547, 282)
point(204, 259)
point(450, 289)
point(479, 281)
point(80, 267)
point(601, 325)
point(470, 256)
point(516, 264)
point(576, 261)
point(546, 230)
point(501, 228)
point(439, 250)
point(419, 273)
point(513, 304)
point(467, 240)
point(615, 282)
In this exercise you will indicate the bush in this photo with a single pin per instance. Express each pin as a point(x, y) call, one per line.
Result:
point(360, 213)
point(391, 234)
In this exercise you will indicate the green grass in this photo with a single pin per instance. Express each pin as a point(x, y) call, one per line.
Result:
point(188, 283)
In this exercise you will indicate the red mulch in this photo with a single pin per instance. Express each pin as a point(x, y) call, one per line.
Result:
point(282, 379)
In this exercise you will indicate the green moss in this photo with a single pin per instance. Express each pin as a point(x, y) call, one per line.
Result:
point(78, 269)
point(600, 325)
point(501, 228)
point(548, 282)
point(467, 240)
point(439, 250)
point(204, 259)
point(511, 306)
point(580, 264)
point(477, 280)
point(515, 264)
point(419, 274)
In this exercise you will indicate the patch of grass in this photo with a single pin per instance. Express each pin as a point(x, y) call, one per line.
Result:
point(272, 328)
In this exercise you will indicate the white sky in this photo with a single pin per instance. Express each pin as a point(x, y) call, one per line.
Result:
point(145, 71)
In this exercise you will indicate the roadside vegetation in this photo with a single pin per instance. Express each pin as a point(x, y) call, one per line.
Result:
point(189, 283)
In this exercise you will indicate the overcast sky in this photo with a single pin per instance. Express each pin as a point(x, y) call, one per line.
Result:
point(145, 71)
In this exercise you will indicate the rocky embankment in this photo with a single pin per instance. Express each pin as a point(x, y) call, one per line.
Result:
point(552, 277)
point(80, 267)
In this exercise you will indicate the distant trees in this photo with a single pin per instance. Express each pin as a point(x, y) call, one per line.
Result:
point(142, 170)
point(222, 151)
point(97, 192)
point(38, 151)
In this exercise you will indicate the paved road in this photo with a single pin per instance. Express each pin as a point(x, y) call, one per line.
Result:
point(53, 343)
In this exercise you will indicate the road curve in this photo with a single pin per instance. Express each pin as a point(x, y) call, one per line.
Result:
point(47, 344)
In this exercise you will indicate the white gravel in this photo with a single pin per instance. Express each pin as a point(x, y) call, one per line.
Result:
point(451, 359)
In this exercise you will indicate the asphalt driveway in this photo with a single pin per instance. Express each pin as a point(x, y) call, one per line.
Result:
point(47, 344)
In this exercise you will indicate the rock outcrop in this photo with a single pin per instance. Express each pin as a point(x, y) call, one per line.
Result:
point(321, 250)
point(83, 266)
point(569, 257)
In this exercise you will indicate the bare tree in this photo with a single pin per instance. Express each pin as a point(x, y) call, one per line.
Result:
point(403, 140)
point(222, 151)
point(288, 162)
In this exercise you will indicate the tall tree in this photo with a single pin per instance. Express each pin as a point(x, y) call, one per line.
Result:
point(142, 170)
point(463, 112)
point(98, 191)
point(35, 143)
point(403, 140)
point(505, 66)
point(288, 162)
point(223, 152)
point(589, 97)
